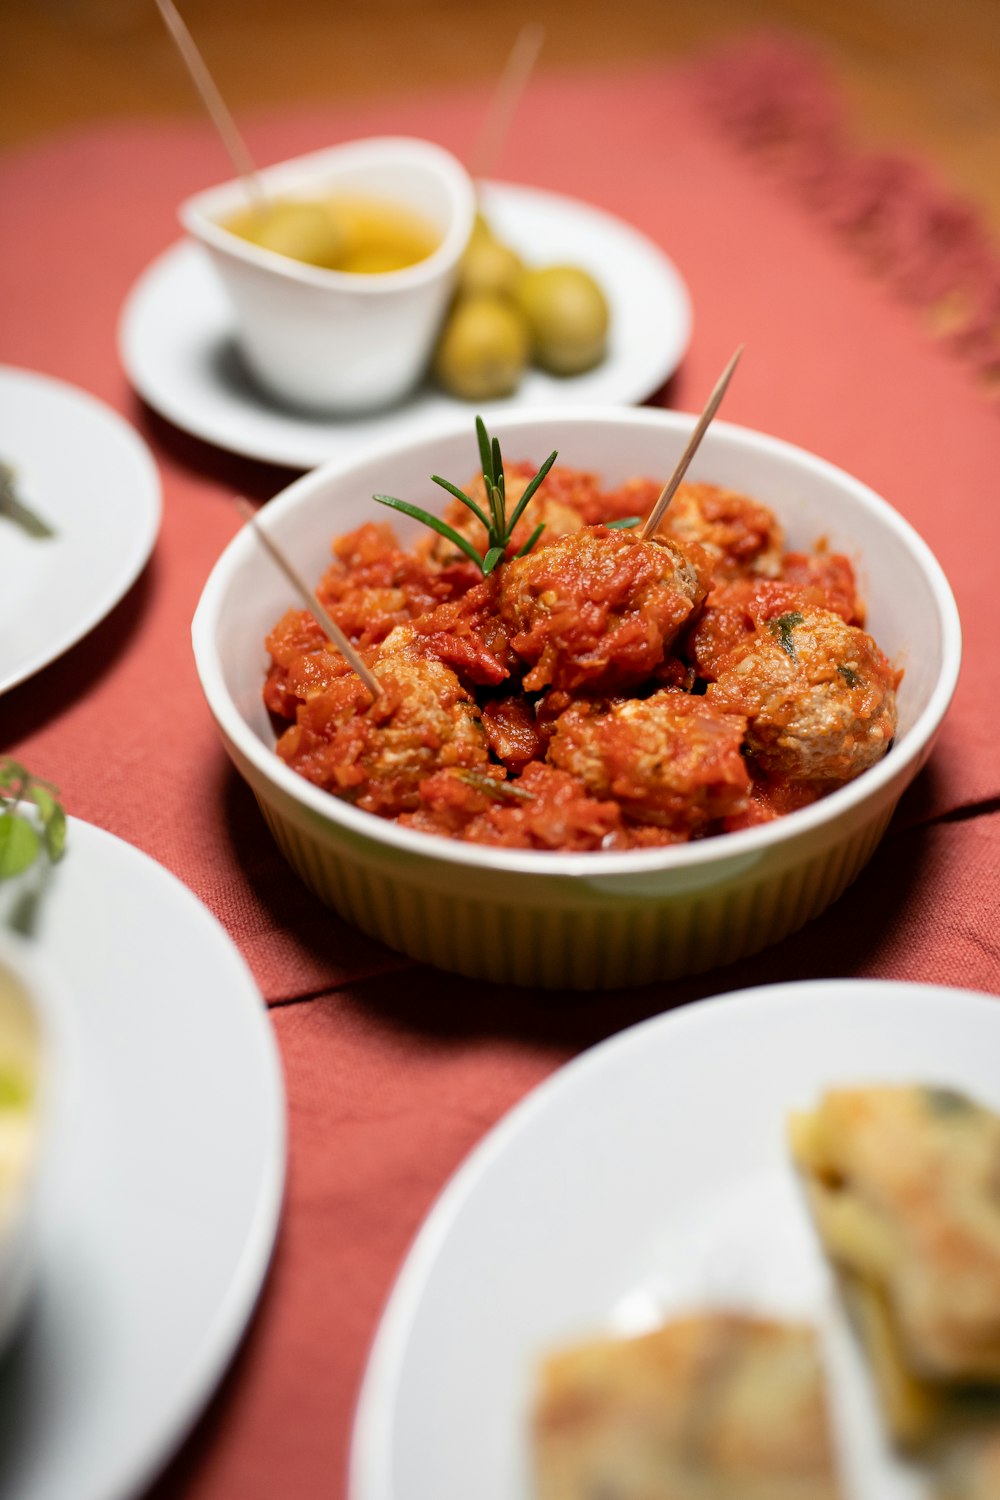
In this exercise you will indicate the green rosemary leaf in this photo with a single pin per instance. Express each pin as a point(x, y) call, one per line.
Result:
point(625, 524)
point(20, 845)
point(12, 776)
point(498, 512)
point(530, 489)
point(24, 832)
point(850, 676)
point(50, 811)
point(500, 790)
point(14, 508)
point(441, 527)
point(485, 452)
point(466, 500)
point(533, 538)
point(499, 528)
point(782, 628)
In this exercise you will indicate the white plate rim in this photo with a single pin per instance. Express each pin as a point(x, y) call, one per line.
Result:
point(368, 1466)
point(140, 1462)
point(302, 442)
point(124, 445)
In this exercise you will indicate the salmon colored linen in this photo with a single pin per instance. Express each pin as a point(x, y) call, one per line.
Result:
point(394, 1071)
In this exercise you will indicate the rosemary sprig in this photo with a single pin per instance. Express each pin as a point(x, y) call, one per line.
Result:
point(32, 820)
point(14, 508)
point(500, 791)
point(498, 525)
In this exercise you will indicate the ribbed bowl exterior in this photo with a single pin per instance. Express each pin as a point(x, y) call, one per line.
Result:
point(571, 934)
point(584, 921)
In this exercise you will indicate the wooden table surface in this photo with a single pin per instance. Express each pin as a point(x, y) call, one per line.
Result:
point(918, 75)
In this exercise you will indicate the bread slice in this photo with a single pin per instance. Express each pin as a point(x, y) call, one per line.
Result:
point(904, 1187)
point(715, 1407)
point(972, 1472)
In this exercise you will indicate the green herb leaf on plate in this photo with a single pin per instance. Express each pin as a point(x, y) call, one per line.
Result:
point(14, 509)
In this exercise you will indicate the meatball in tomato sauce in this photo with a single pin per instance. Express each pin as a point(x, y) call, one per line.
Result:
point(598, 609)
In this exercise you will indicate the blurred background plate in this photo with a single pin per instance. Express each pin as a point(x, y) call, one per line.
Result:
point(648, 1176)
point(165, 1188)
point(84, 470)
point(176, 344)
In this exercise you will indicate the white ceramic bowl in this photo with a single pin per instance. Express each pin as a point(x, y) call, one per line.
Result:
point(33, 1017)
point(332, 340)
point(580, 920)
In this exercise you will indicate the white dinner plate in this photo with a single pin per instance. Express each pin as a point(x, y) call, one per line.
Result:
point(83, 469)
point(648, 1176)
point(165, 1193)
point(176, 343)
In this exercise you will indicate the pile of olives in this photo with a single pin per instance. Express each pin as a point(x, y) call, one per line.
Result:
point(506, 315)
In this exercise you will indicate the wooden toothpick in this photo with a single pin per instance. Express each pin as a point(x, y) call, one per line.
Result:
point(506, 97)
point(213, 101)
point(312, 604)
point(667, 493)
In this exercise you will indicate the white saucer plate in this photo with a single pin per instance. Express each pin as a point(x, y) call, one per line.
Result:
point(649, 1176)
point(176, 341)
point(163, 1201)
point(85, 471)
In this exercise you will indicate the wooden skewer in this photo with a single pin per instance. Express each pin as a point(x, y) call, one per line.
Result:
point(506, 97)
point(667, 493)
point(213, 101)
point(322, 618)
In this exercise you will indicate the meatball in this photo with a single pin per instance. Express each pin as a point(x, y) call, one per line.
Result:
point(599, 608)
point(734, 610)
point(671, 759)
point(740, 535)
point(818, 694)
point(375, 754)
point(833, 574)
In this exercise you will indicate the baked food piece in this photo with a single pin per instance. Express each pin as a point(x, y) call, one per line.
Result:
point(714, 1407)
point(971, 1473)
point(904, 1187)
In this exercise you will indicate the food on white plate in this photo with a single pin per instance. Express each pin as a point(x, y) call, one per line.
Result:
point(971, 1472)
point(555, 317)
point(483, 349)
point(567, 317)
point(343, 232)
point(32, 820)
point(902, 1182)
point(552, 679)
point(489, 264)
point(19, 1059)
point(715, 1406)
point(340, 277)
point(14, 508)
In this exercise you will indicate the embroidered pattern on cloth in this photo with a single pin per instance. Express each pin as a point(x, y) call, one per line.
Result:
point(775, 98)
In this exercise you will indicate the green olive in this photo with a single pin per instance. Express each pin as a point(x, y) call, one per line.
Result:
point(488, 265)
point(483, 348)
point(568, 317)
point(304, 231)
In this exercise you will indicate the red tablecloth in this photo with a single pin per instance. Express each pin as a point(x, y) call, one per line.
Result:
point(395, 1071)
